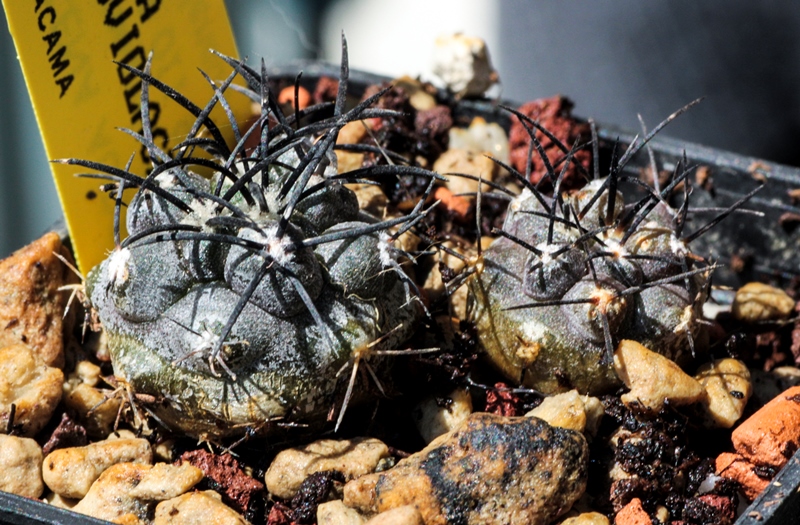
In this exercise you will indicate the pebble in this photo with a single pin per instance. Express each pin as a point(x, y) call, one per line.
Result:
point(337, 513)
point(636, 367)
point(352, 457)
point(20, 466)
point(481, 137)
point(492, 469)
point(587, 518)
point(462, 62)
point(756, 302)
point(455, 204)
point(94, 410)
point(30, 386)
point(286, 96)
point(31, 307)
point(454, 161)
point(418, 96)
point(728, 389)
point(772, 434)
point(570, 410)
point(633, 514)
point(434, 418)
point(70, 472)
point(734, 466)
point(117, 496)
point(405, 515)
point(197, 508)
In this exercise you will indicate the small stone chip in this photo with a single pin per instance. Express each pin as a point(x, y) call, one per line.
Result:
point(20, 466)
point(434, 419)
point(196, 508)
point(760, 302)
point(462, 62)
point(70, 472)
point(352, 457)
point(33, 388)
point(337, 513)
point(492, 469)
point(31, 307)
point(570, 410)
point(771, 435)
point(405, 515)
point(728, 388)
point(637, 367)
point(114, 495)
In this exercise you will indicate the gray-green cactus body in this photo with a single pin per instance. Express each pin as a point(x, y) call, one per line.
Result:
point(238, 314)
point(549, 313)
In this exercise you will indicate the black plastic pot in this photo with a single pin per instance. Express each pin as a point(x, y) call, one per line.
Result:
point(770, 245)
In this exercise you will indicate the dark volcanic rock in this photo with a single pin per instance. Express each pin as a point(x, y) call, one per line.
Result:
point(492, 469)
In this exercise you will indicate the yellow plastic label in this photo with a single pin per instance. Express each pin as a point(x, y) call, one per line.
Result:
point(67, 49)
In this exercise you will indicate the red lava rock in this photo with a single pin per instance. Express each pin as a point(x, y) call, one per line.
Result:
point(771, 435)
point(723, 507)
point(633, 514)
point(735, 467)
point(502, 402)
point(326, 90)
point(554, 114)
point(68, 433)
point(434, 125)
point(239, 490)
point(279, 515)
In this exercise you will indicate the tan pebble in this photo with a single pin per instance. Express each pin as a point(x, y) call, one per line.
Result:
point(587, 518)
point(419, 99)
point(562, 410)
point(196, 508)
point(477, 458)
point(337, 513)
point(70, 472)
point(352, 132)
point(59, 501)
point(462, 62)
point(735, 467)
point(347, 161)
point(352, 457)
point(772, 434)
point(632, 514)
point(405, 515)
point(728, 388)
point(433, 420)
point(459, 301)
point(662, 514)
point(165, 451)
point(637, 367)
point(594, 414)
point(434, 285)
point(20, 466)
point(455, 161)
point(371, 199)
point(481, 137)
point(112, 495)
point(96, 412)
point(165, 481)
point(761, 302)
point(31, 307)
point(31, 386)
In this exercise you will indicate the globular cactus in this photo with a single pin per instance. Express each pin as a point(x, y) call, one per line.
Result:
point(240, 299)
point(573, 274)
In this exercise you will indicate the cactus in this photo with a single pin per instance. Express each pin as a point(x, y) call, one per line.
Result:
point(573, 274)
point(238, 300)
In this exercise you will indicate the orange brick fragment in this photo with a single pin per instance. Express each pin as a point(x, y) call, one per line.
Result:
point(457, 205)
point(286, 96)
point(735, 467)
point(633, 514)
point(772, 435)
